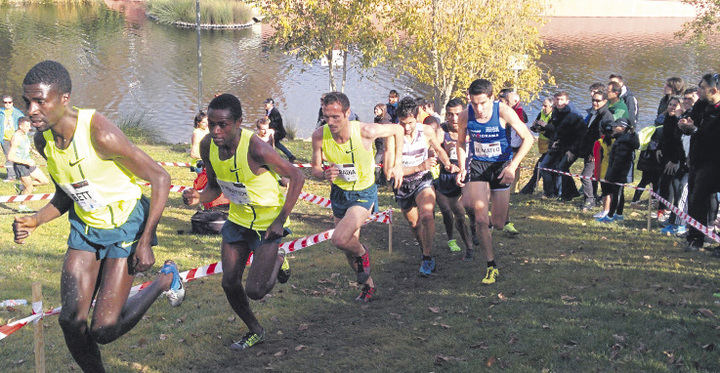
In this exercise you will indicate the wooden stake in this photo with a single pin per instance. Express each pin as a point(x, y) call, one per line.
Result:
point(38, 336)
point(390, 237)
point(649, 214)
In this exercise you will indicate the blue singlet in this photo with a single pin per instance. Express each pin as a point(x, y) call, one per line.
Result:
point(488, 141)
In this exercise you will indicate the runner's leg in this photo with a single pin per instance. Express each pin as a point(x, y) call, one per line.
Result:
point(346, 236)
point(263, 272)
point(77, 286)
point(476, 198)
point(234, 257)
point(459, 212)
point(115, 314)
point(500, 206)
point(425, 201)
point(447, 213)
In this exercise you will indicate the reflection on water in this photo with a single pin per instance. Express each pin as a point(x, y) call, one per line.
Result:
point(121, 65)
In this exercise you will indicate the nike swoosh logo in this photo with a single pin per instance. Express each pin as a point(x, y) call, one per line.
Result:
point(235, 170)
point(126, 244)
point(349, 151)
point(72, 164)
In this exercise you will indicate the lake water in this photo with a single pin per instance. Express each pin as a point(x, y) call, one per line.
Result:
point(123, 64)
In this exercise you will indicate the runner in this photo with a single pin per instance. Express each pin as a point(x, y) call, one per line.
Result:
point(245, 169)
point(492, 165)
point(25, 168)
point(416, 197)
point(347, 147)
point(448, 194)
point(112, 225)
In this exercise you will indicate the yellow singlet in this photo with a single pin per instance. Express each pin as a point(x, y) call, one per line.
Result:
point(356, 164)
point(255, 200)
point(104, 191)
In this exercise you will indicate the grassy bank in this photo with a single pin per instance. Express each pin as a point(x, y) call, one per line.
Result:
point(216, 12)
point(573, 296)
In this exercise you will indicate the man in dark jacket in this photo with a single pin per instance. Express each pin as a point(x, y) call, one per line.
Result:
point(629, 98)
point(600, 118)
point(392, 105)
point(704, 180)
point(568, 127)
point(276, 123)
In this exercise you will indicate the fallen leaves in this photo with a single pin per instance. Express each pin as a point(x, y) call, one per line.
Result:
point(303, 326)
point(705, 312)
point(300, 347)
point(440, 359)
point(280, 353)
point(434, 309)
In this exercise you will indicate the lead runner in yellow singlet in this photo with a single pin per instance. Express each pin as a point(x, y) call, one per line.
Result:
point(112, 225)
point(246, 170)
point(347, 147)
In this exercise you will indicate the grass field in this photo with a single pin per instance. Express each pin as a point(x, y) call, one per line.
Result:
point(573, 296)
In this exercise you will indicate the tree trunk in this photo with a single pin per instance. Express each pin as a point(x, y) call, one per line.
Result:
point(331, 72)
point(344, 76)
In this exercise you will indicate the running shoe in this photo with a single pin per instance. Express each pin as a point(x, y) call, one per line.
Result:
point(362, 264)
point(284, 273)
point(176, 293)
point(427, 267)
point(680, 230)
point(600, 214)
point(618, 217)
point(490, 276)
point(452, 244)
point(366, 294)
point(248, 340)
point(604, 219)
point(716, 295)
point(23, 208)
point(669, 229)
point(510, 230)
point(19, 188)
point(468, 256)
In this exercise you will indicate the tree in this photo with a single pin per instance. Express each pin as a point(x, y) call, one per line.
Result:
point(446, 44)
point(311, 29)
point(705, 23)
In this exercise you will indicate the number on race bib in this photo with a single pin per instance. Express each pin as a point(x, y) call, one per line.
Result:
point(488, 150)
point(347, 172)
point(235, 192)
point(85, 195)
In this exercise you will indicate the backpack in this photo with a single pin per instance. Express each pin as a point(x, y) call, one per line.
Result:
point(208, 221)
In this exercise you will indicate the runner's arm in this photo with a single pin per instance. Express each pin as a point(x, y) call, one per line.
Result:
point(439, 150)
point(371, 131)
point(262, 153)
point(212, 189)
point(460, 147)
point(316, 166)
point(111, 144)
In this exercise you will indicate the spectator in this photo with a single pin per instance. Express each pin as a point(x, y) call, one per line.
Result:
point(619, 163)
point(599, 119)
point(674, 161)
point(381, 117)
point(650, 162)
point(703, 179)
point(392, 105)
point(200, 131)
point(617, 107)
point(8, 125)
point(673, 87)
point(628, 97)
point(320, 118)
point(539, 127)
point(568, 127)
point(276, 123)
point(430, 109)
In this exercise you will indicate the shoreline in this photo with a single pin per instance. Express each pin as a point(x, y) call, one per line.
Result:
point(620, 9)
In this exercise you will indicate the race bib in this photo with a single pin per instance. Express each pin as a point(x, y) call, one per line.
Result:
point(85, 195)
point(347, 172)
point(453, 154)
point(235, 192)
point(488, 150)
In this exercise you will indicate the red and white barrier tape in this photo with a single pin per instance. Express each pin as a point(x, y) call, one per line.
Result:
point(204, 271)
point(320, 201)
point(25, 197)
point(678, 212)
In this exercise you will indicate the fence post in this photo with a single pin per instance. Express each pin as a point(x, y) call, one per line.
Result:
point(38, 335)
point(649, 214)
point(390, 229)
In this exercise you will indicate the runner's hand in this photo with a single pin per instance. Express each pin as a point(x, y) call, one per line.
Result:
point(396, 175)
point(428, 164)
point(452, 168)
point(507, 175)
point(671, 168)
point(331, 172)
point(143, 258)
point(23, 226)
point(275, 230)
point(460, 180)
point(191, 196)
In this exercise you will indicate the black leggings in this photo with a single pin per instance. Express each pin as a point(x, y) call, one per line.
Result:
point(648, 177)
point(617, 198)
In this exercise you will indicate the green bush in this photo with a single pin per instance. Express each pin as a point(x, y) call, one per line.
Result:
point(217, 12)
point(136, 128)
